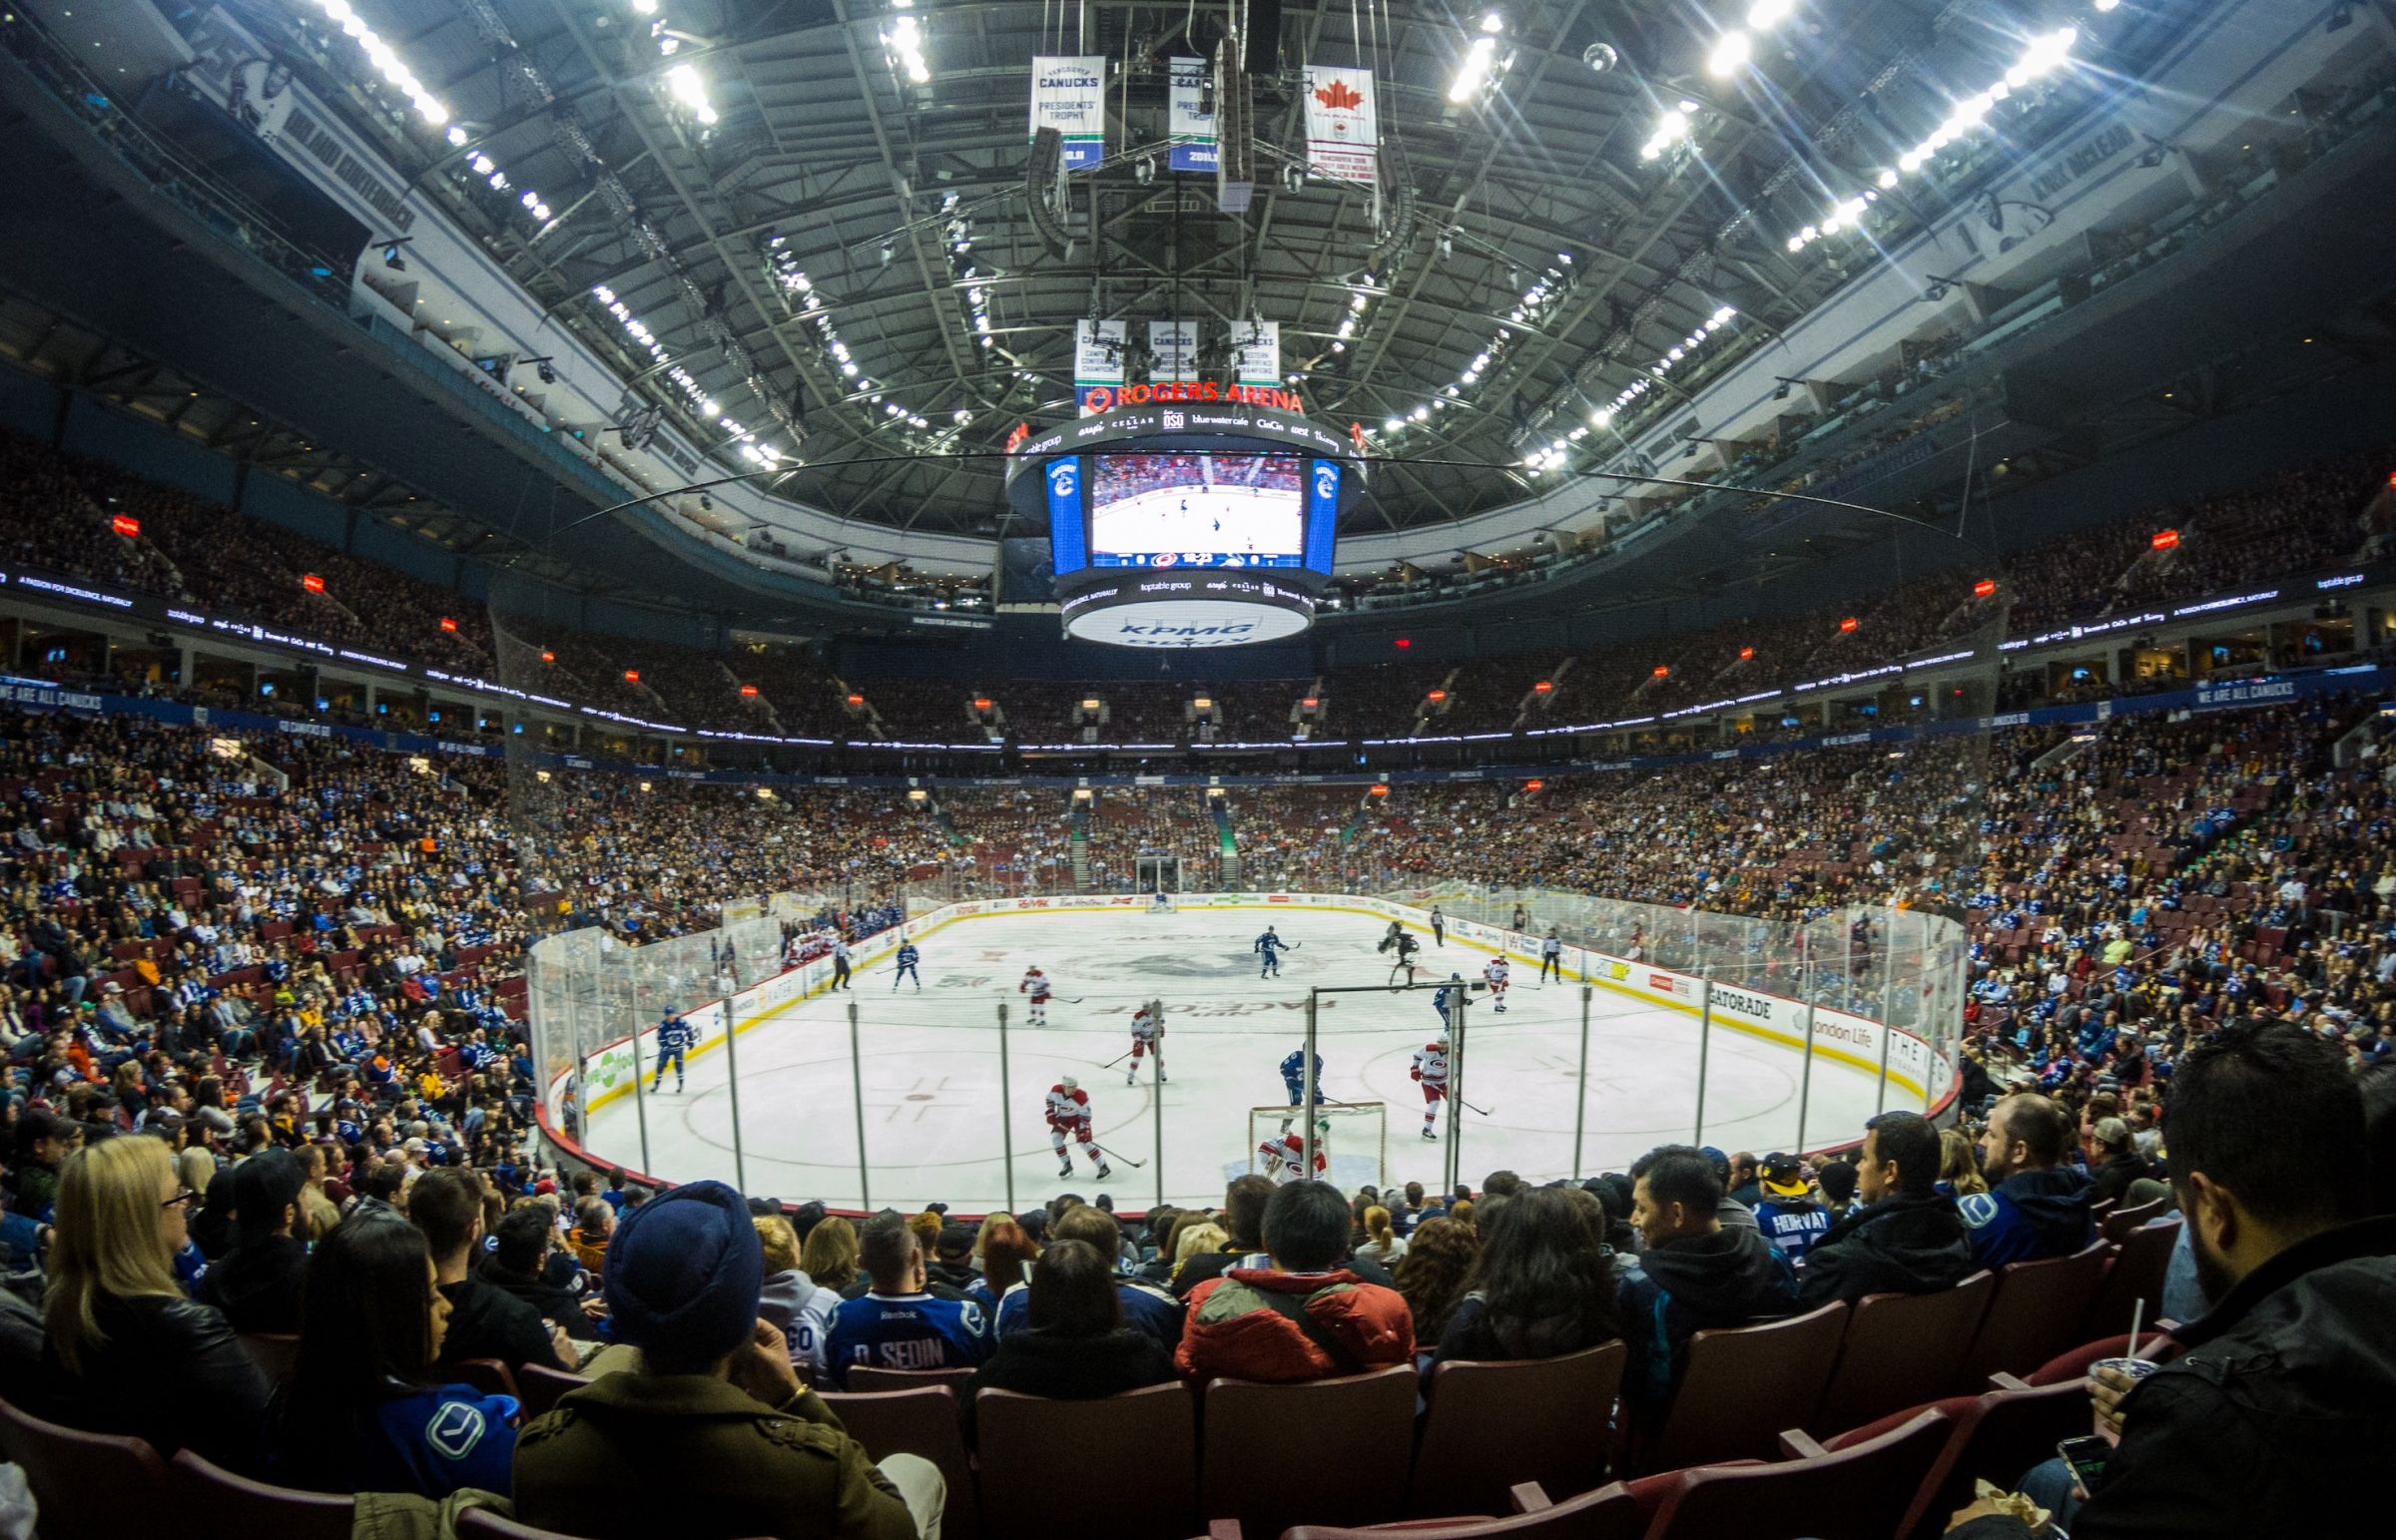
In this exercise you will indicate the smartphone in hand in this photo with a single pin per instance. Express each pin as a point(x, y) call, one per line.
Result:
point(2086, 1456)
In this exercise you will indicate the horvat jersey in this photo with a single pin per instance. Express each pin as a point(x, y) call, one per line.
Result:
point(675, 1034)
point(905, 1331)
point(1431, 1064)
point(1285, 1157)
point(1035, 984)
point(1293, 1067)
point(907, 955)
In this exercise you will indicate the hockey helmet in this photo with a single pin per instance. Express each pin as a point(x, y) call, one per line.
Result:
point(1459, 977)
point(1322, 1124)
point(1069, 1084)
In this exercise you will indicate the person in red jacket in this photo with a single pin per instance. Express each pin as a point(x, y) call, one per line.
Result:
point(1304, 1317)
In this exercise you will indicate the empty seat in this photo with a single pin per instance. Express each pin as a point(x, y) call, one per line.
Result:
point(1901, 1350)
point(2120, 1222)
point(2034, 1316)
point(1609, 1513)
point(1031, 1448)
point(2139, 1264)
point(236, 1505)
point(920, 1421)
point(1998, 1436)
point(1859, 1493)
point(86, 1483)
point(1745, 1385)
point(1358, 1429)
point(1478, 1445)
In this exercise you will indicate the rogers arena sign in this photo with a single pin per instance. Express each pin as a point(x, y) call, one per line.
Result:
point(1180, 613)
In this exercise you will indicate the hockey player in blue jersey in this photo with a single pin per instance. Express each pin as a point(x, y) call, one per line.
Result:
point(1449, 996)
point(1293, 1079)
point(896, 1324)
point(1293, 1075)
point(1270, 947)
point(675, 1037)
point(907, 958)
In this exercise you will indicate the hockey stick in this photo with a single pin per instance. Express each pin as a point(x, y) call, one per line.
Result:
point(1461, 1101)
point(1125, 1159)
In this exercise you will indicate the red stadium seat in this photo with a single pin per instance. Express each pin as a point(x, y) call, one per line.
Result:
point(1031, 1448)
point(2034, 1316)
point(223, 1503)
point(1859, 1493)
point(1743, 1386)
point(1477, 1445)
point(920, 1421)
point(1901, 1350)
point(1252, 1470)
point(86, 1483)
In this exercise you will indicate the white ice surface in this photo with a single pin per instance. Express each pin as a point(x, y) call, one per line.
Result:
point(928, 1064)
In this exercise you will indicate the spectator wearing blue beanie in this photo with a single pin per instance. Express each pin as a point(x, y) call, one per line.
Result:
point(714, 1403)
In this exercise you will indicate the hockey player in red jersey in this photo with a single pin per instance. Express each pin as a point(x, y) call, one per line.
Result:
point(1147, 1038)
point(1431, 1069)
point(1035, 984)
point(1069, 1113)
point(1284, 1155)
point(1497, 974)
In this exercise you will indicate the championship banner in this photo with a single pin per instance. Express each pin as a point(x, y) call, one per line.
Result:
point(1190, 118)
point(1069, 94)
point(1174, 346)
point(1342, 132)
point(1256, 349)
point(1097, 365)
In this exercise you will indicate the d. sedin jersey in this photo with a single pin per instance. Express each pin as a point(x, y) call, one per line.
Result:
point(905, 1331)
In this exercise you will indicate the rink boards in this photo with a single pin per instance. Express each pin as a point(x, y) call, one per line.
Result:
point(1651, 1062)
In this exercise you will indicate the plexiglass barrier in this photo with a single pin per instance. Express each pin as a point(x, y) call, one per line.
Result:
point(879, 1088)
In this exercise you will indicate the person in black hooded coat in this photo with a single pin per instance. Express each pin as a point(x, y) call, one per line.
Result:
point(1694, 1273)
point(1907, 1239)
point(258, 1283)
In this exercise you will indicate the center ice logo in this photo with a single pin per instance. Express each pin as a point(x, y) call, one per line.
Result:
point(1171, 964)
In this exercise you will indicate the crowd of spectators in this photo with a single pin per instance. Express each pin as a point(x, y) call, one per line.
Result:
point(62, 508)
point(274, 987)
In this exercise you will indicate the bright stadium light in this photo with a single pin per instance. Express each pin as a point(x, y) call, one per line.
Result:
point(1729, 55)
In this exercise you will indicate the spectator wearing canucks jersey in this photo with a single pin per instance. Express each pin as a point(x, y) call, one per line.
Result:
point(1786, 1213)
point(898, 1326)
point(1146, 1309)
point(364, 1408)
point(2036, 1205)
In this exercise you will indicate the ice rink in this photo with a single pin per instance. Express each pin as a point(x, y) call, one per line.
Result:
point(927, 1069)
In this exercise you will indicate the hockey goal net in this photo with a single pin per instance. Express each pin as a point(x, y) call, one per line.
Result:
point(1357, 1143)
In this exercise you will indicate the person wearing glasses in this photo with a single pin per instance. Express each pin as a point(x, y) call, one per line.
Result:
point(127, 1352)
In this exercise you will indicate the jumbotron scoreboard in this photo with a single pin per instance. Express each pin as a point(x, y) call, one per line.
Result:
point(1185, 524)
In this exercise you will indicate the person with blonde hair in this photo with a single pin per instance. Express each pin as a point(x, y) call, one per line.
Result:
point(129, 1354)
point(1196, 1239)
point(790, 1301)
point(1959, 1165)
point(829, 1256)
point(1383, 1243)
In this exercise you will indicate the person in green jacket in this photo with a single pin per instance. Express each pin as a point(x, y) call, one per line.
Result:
point(714, 1437)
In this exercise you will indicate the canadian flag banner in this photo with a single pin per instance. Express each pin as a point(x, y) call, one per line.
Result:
point(1341, 130)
